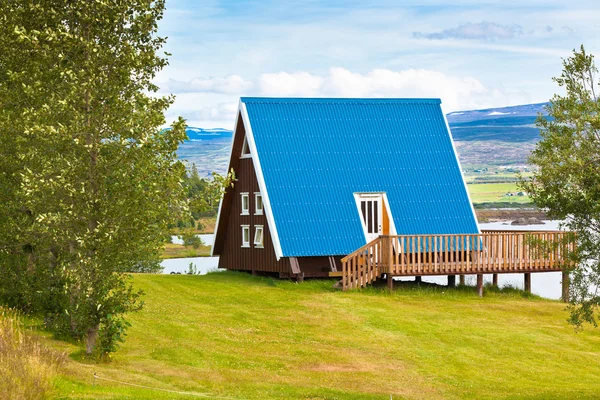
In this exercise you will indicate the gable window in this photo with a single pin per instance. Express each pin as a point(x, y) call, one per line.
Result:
point(245, 203)
point(259, 236)
point(258, 204)
point(245, 149)
point(245, 235)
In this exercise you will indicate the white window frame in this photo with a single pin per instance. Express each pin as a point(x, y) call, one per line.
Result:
point(259, 244)
point(245, 149)
point(245, 229)
point(245, 195)
point(258, 211)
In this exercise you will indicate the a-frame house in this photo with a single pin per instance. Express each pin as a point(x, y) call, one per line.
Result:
point(319, 178)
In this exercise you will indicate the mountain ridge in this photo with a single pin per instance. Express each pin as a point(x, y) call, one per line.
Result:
point(490, 136)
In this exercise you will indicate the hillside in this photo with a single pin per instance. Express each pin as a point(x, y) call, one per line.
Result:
point(495, 136)
point(490, 137)
point(234, 336)
point(207, 148)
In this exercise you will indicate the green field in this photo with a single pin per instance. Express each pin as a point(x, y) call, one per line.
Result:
point(234, 336)
point(495, 192)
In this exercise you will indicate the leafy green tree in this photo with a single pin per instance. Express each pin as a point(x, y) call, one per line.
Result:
point(90, 180)
point(567, 182)
point(204, 194)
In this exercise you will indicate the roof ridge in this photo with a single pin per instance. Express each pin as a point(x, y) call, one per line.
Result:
point(338, 100)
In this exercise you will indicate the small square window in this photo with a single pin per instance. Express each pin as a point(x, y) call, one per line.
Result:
point(245, 235)
point(258, 204)
point(245, 204)
point(259, 236)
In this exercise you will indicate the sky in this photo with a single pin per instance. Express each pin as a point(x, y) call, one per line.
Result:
point(471, 55)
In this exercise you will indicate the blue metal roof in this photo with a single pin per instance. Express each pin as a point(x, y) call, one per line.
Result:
point(316, 153)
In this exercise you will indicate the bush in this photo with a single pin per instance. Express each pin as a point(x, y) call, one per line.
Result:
point(27, 368)
point(192, 240)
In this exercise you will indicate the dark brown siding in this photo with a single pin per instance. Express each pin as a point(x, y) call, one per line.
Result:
point(228, 241)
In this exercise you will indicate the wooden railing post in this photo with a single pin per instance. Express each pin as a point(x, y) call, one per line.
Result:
point(344, 276)
point(389, 245)
point(527, 282)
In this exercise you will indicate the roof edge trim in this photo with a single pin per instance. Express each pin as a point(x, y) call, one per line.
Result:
point(261, 181)
point(462, 175)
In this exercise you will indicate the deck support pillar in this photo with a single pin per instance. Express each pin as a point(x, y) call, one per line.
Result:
point(480, 285)
point(461, 280)
point(451, 280)
point(527, 282)
point(418, 279)
point(565, 286)
point(390, 282)
point(495, 280)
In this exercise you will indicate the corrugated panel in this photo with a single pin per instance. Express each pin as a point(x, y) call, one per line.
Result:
point(316, 153)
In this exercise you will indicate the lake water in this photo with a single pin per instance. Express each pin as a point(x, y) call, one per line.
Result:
point(182, 265)
point(545, 284)
point(207, 239)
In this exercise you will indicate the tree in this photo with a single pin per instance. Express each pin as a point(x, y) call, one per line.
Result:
point(567, 181)
point(92, 181)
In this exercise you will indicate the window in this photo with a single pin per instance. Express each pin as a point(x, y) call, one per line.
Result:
point(245, 204)
point(258, 204)
point(258, 236)
point(245, 235)
point(245, 149)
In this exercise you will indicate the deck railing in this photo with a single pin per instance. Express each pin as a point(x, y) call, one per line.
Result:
point(488, 252)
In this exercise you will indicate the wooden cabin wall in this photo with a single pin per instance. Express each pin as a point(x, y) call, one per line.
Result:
point(232, 255)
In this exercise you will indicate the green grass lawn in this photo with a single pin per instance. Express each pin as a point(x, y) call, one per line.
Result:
point(234, 336)
point(494, 192)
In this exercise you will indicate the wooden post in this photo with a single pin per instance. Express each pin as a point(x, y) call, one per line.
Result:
point(480, 285)
point(527, 282)
point(390, 282)
point(417, 279)
point(565, 286)
point(495, 280)
point(451, 280)
point(461, 280)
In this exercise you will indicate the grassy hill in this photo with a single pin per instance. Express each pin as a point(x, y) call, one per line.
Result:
point(234, 336)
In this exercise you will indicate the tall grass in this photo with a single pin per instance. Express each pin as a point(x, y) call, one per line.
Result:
point(27, 368)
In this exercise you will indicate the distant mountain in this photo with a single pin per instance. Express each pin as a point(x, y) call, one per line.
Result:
point(201, 134)
point(494, 136)
point(207, 148)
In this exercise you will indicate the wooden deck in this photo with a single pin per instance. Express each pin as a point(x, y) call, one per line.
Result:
point(491, 252)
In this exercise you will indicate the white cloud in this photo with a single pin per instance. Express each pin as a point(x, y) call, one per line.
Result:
point(206, 109)
point(218, 112)
point(282, 84)
point(479, 30)
point(457, 93)
point(229, 84)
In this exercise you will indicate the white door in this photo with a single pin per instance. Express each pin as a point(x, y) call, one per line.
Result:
point(371, 210)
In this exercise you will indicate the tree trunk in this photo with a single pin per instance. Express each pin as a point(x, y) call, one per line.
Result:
point(91, 339)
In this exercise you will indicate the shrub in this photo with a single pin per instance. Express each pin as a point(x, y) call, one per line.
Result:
point(192, 240)
point(27, 368)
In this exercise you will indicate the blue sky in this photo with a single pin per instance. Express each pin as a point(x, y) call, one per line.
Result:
point(473, 54)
